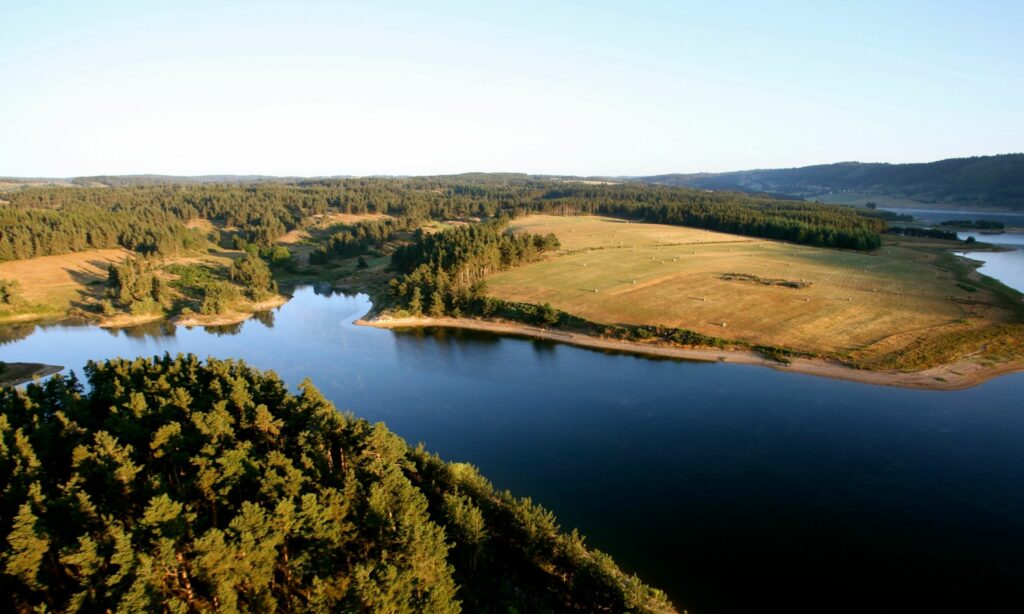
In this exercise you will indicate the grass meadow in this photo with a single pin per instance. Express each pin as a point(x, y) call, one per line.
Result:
point(759, 291)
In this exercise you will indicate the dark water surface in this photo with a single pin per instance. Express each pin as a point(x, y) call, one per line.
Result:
point(735, 488)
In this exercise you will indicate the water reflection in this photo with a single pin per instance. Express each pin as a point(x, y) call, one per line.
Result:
point(221, 330)
point(266, 318)
point(12, 333)
point(154, 330)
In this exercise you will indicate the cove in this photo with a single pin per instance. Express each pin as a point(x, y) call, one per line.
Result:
point(734, 488)
point(1007, 266)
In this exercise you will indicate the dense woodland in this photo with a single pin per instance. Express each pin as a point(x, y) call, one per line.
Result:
point(151, 218)
point(359, 238)
point(443, 272)
point(178, 485)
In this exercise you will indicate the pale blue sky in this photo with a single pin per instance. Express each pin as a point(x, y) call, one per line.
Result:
point(323, 88)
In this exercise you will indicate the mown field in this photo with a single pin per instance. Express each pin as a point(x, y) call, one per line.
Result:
point(758, 291)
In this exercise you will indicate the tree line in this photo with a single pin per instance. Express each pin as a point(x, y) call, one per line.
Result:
point(795, 221)
point(975, 224)
point(914, 231)
point(444, 272)
point(170, 484)
point(151, 218)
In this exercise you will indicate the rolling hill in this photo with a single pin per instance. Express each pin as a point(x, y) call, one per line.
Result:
point(984, 181)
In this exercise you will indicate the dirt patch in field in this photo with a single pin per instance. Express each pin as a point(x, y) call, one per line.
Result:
point(326, 220)
point(200, 223)
point(782, 283)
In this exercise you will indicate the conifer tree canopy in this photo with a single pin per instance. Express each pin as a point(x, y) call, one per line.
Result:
point(180, 485)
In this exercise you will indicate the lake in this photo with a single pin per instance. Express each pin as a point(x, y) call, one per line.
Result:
point(1007, 267)
point(735, 488)
point(937, 216)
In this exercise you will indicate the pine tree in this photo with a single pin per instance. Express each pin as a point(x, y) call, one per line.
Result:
point(437, 304)
point(173, 484)
point(416, 301)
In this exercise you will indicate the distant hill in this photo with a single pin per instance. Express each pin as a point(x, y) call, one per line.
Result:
point(995, 182)
point(99, 181)
point(984, 181)
point(120, 180)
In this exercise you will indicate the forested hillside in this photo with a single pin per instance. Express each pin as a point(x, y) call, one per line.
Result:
point(151, 218)
point(178, 485)
point(990, 181)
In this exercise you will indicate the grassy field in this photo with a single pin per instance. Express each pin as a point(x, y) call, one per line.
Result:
point(50, 285)
point(763, 292)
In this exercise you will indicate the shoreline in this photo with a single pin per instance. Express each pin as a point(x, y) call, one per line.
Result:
point(18, 373)
point(127, 320)
point(192, 320)
point(24, 318)
point(954, 376)
point(231, 317)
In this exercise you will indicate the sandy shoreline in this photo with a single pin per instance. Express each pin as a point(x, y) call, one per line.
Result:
point(233, 317)
point(955, 376)
point(23, 318)
point(220, 319)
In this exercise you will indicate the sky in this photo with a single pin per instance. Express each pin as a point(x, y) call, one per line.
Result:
point(583, 88)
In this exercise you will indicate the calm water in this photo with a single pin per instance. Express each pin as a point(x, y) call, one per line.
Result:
point(735, 488)
point(1007, 267)
point(937, 216)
